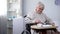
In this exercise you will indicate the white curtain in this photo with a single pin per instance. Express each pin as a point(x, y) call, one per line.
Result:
point(3, 7)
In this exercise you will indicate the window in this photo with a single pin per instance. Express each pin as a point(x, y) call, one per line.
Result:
point(14, 8)
point(3, 7)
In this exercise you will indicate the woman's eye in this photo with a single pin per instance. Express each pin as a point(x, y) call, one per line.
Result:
point(41, 8)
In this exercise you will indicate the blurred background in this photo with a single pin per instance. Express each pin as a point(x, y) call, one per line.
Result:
point(11, 9)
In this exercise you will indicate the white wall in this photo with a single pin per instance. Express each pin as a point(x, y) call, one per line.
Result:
point(51, 9)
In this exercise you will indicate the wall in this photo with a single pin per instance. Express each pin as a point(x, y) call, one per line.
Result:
point(51, 9)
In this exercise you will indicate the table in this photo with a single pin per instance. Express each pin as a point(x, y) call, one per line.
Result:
point(43, 29)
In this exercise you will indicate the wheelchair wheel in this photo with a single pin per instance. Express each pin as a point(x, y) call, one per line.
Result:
point(25, 32)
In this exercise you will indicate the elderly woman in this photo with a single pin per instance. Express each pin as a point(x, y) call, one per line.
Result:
point(38, 16)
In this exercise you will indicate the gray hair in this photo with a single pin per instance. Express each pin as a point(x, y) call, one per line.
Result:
point(41, 4)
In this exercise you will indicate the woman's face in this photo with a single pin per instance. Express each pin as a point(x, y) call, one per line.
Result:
point(39, 9)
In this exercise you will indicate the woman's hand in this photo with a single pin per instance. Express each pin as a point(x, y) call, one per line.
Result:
point(53, 24)
point(38, 21)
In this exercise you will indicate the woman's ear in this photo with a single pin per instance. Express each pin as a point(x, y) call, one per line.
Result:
point(35, 9)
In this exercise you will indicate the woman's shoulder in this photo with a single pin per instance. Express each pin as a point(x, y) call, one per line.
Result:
point(43, 14)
